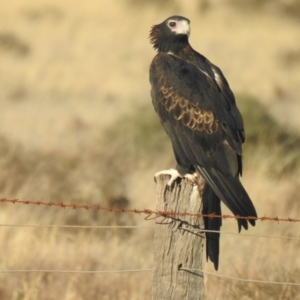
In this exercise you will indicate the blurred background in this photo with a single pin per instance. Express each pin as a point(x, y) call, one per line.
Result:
point(78, 126)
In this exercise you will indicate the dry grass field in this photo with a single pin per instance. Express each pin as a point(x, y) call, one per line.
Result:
point(77, 126)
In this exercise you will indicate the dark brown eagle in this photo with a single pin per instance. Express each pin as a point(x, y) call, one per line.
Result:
point(198, 111)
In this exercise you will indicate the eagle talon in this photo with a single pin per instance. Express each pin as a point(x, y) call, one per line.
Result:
point(191, 177)
point(172, 172)
point(175, 175)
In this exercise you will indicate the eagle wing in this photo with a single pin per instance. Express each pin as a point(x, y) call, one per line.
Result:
point(204, 125)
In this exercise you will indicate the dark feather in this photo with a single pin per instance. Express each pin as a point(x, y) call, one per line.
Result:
point(212, 205)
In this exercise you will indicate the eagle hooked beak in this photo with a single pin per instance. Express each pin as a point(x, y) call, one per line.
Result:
point(183, 27)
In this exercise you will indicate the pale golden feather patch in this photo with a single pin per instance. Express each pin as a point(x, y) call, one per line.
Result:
point(189, 113)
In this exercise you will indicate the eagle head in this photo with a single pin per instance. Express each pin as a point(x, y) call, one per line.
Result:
point(170, 35)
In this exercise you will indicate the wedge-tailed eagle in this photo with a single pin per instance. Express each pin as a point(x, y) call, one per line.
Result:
point(198, 111)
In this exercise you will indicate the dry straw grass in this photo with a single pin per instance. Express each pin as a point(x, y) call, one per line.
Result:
point(77, 125)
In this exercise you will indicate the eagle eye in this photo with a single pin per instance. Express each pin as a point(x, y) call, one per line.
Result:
point(172, 24)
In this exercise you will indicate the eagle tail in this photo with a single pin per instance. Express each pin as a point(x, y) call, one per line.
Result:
point(212, 205)
point(232, 193)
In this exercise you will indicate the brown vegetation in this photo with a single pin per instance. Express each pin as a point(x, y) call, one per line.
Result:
point(77, 125)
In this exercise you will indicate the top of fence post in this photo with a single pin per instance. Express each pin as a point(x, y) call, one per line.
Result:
point(177, 245)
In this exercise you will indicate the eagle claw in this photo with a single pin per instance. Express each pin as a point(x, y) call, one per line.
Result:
point(172, 172)
point(175, 175)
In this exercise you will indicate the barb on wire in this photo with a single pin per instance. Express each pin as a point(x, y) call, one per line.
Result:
point(150, 214)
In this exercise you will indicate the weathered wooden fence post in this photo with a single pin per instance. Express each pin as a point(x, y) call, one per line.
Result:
point(178, 245)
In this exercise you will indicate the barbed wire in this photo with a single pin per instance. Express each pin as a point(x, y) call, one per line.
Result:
point(150, 214)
